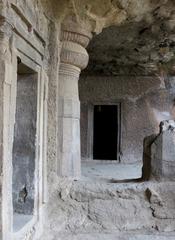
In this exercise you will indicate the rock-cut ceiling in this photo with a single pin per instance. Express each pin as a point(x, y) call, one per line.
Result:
point(134, 47)
point(132, 36)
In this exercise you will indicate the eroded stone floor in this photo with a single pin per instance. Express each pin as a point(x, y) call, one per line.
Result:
point(90, 210)
point(106, 171)
point(119, 236)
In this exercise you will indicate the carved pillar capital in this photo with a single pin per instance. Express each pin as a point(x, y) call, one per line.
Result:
point(74, 41)
point(74, 54)
point(73, 32)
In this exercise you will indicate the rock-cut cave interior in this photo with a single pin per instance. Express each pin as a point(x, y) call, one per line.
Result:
point(87, 120)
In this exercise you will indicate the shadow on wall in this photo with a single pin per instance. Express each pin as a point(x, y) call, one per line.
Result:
point(146, 169)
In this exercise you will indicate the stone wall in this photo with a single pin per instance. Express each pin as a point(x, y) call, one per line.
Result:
point(145, 101)
point(26, 31)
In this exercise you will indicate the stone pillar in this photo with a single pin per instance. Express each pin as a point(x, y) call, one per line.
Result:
point(73, 59)
point(6, 128)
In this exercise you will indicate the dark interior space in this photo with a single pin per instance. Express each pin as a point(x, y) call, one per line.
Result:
point(106, 126)
point(24, 149)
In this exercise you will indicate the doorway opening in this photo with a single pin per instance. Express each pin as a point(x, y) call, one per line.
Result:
point(106, 136)
point(24, 147)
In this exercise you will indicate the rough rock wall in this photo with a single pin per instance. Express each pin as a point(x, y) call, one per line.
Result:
point(36, 38)
point(145, 101)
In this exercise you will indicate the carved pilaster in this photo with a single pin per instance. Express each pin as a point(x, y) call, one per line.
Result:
point(6, 28)
point(6, 31)
point(73, 58)
point(5, 34)
point(6, 125)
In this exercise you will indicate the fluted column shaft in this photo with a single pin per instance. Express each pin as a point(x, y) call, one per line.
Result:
point(73, 59)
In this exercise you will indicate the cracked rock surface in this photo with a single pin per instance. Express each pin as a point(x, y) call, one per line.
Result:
point(86, 210)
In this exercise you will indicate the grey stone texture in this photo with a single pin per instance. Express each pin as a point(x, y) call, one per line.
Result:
point(24, 152)
point(163, 152)
point(88, 209)
point(44, 34)
point(24, 33)
point(141, 111)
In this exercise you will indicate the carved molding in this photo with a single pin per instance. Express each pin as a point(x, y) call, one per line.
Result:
point(74, 40)
point(74, 54)
point(74, 32)
point(81, 39)
point(69, 70)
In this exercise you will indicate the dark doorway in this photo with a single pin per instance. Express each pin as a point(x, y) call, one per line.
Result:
point(106, 132)
point(24, 147)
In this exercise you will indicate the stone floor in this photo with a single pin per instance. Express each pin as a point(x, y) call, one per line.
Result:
point(95, 208)
point(94, 170)
point(121, 236)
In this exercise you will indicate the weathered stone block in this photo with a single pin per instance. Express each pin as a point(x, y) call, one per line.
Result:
point(163, 151)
